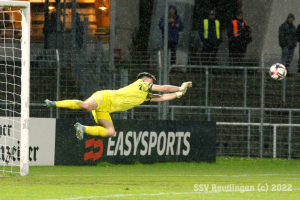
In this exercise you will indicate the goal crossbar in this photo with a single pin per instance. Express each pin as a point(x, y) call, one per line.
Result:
point(15, 4)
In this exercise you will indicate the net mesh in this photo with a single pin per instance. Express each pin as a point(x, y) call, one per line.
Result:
point(10, 89)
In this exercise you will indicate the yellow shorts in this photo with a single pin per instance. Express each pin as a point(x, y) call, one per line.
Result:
point(103, 100)
point(101, 115)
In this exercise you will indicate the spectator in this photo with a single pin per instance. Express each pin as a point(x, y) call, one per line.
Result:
point(287, 40)
point(210, 36)
point(298, 39)
point(175, 26)
point(239, 35)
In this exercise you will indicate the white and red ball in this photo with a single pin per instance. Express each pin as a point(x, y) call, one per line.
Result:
point(278, 71)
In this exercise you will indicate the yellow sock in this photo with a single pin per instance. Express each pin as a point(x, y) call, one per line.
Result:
point(96, 130)
point(71, 104)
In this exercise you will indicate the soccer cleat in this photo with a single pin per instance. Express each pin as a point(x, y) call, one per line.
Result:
point(50, 103)
point(80, 129)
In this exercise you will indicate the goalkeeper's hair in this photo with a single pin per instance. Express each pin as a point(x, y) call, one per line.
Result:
point(145, 74)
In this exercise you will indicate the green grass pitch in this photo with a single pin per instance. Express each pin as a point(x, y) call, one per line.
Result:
point(228, 178)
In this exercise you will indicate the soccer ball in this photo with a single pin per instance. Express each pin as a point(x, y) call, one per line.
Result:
point(278, 71)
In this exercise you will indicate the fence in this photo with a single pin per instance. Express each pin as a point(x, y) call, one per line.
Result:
point(222, 93)
point(239, 139)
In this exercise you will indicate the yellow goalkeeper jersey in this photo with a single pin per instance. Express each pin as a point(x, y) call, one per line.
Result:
point(131, 95)
point(123, 98)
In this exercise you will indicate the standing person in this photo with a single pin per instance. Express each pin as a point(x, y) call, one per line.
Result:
point(298, 39)
point(104, 102)
point(210, 36)
point(175, 25)
point(239, 35)
point(287, 40)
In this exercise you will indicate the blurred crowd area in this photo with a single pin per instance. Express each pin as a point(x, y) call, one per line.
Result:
point(137, 28)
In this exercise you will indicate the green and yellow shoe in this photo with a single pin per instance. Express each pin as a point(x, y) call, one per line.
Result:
point(50, 103)
point(80, 129)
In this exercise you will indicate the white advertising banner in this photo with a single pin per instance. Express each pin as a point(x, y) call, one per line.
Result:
point(41, 141)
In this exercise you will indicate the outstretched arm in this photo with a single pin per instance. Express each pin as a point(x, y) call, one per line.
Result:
point(177, 92)
point(165, 88)
point(171, 88)
point(164, 97)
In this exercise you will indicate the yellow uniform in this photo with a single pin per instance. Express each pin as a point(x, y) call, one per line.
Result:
point(120, 100)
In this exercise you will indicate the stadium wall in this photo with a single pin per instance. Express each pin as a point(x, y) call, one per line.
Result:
point(278, 15)
point(264, 18)
point(256, 14)
point(127, 21)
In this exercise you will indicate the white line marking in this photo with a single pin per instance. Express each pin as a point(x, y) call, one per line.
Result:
point(187, 175)
point(155, 194)
point(130, 195)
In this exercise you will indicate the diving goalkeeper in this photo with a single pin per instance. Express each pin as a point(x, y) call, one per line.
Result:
point(104, 102)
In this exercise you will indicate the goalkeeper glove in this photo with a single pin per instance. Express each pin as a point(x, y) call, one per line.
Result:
point(183, 88)
point(185, 85)
point(179, 94)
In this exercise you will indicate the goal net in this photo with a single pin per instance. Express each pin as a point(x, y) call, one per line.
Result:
point(14, 87)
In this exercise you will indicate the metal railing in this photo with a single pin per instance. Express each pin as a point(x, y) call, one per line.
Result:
point(277, 142)
point(223, 93)
point(250, 121)
point(274, 135)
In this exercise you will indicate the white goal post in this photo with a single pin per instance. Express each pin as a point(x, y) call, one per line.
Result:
point(18, 98)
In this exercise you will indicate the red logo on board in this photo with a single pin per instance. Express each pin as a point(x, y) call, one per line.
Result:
point(91, 154)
